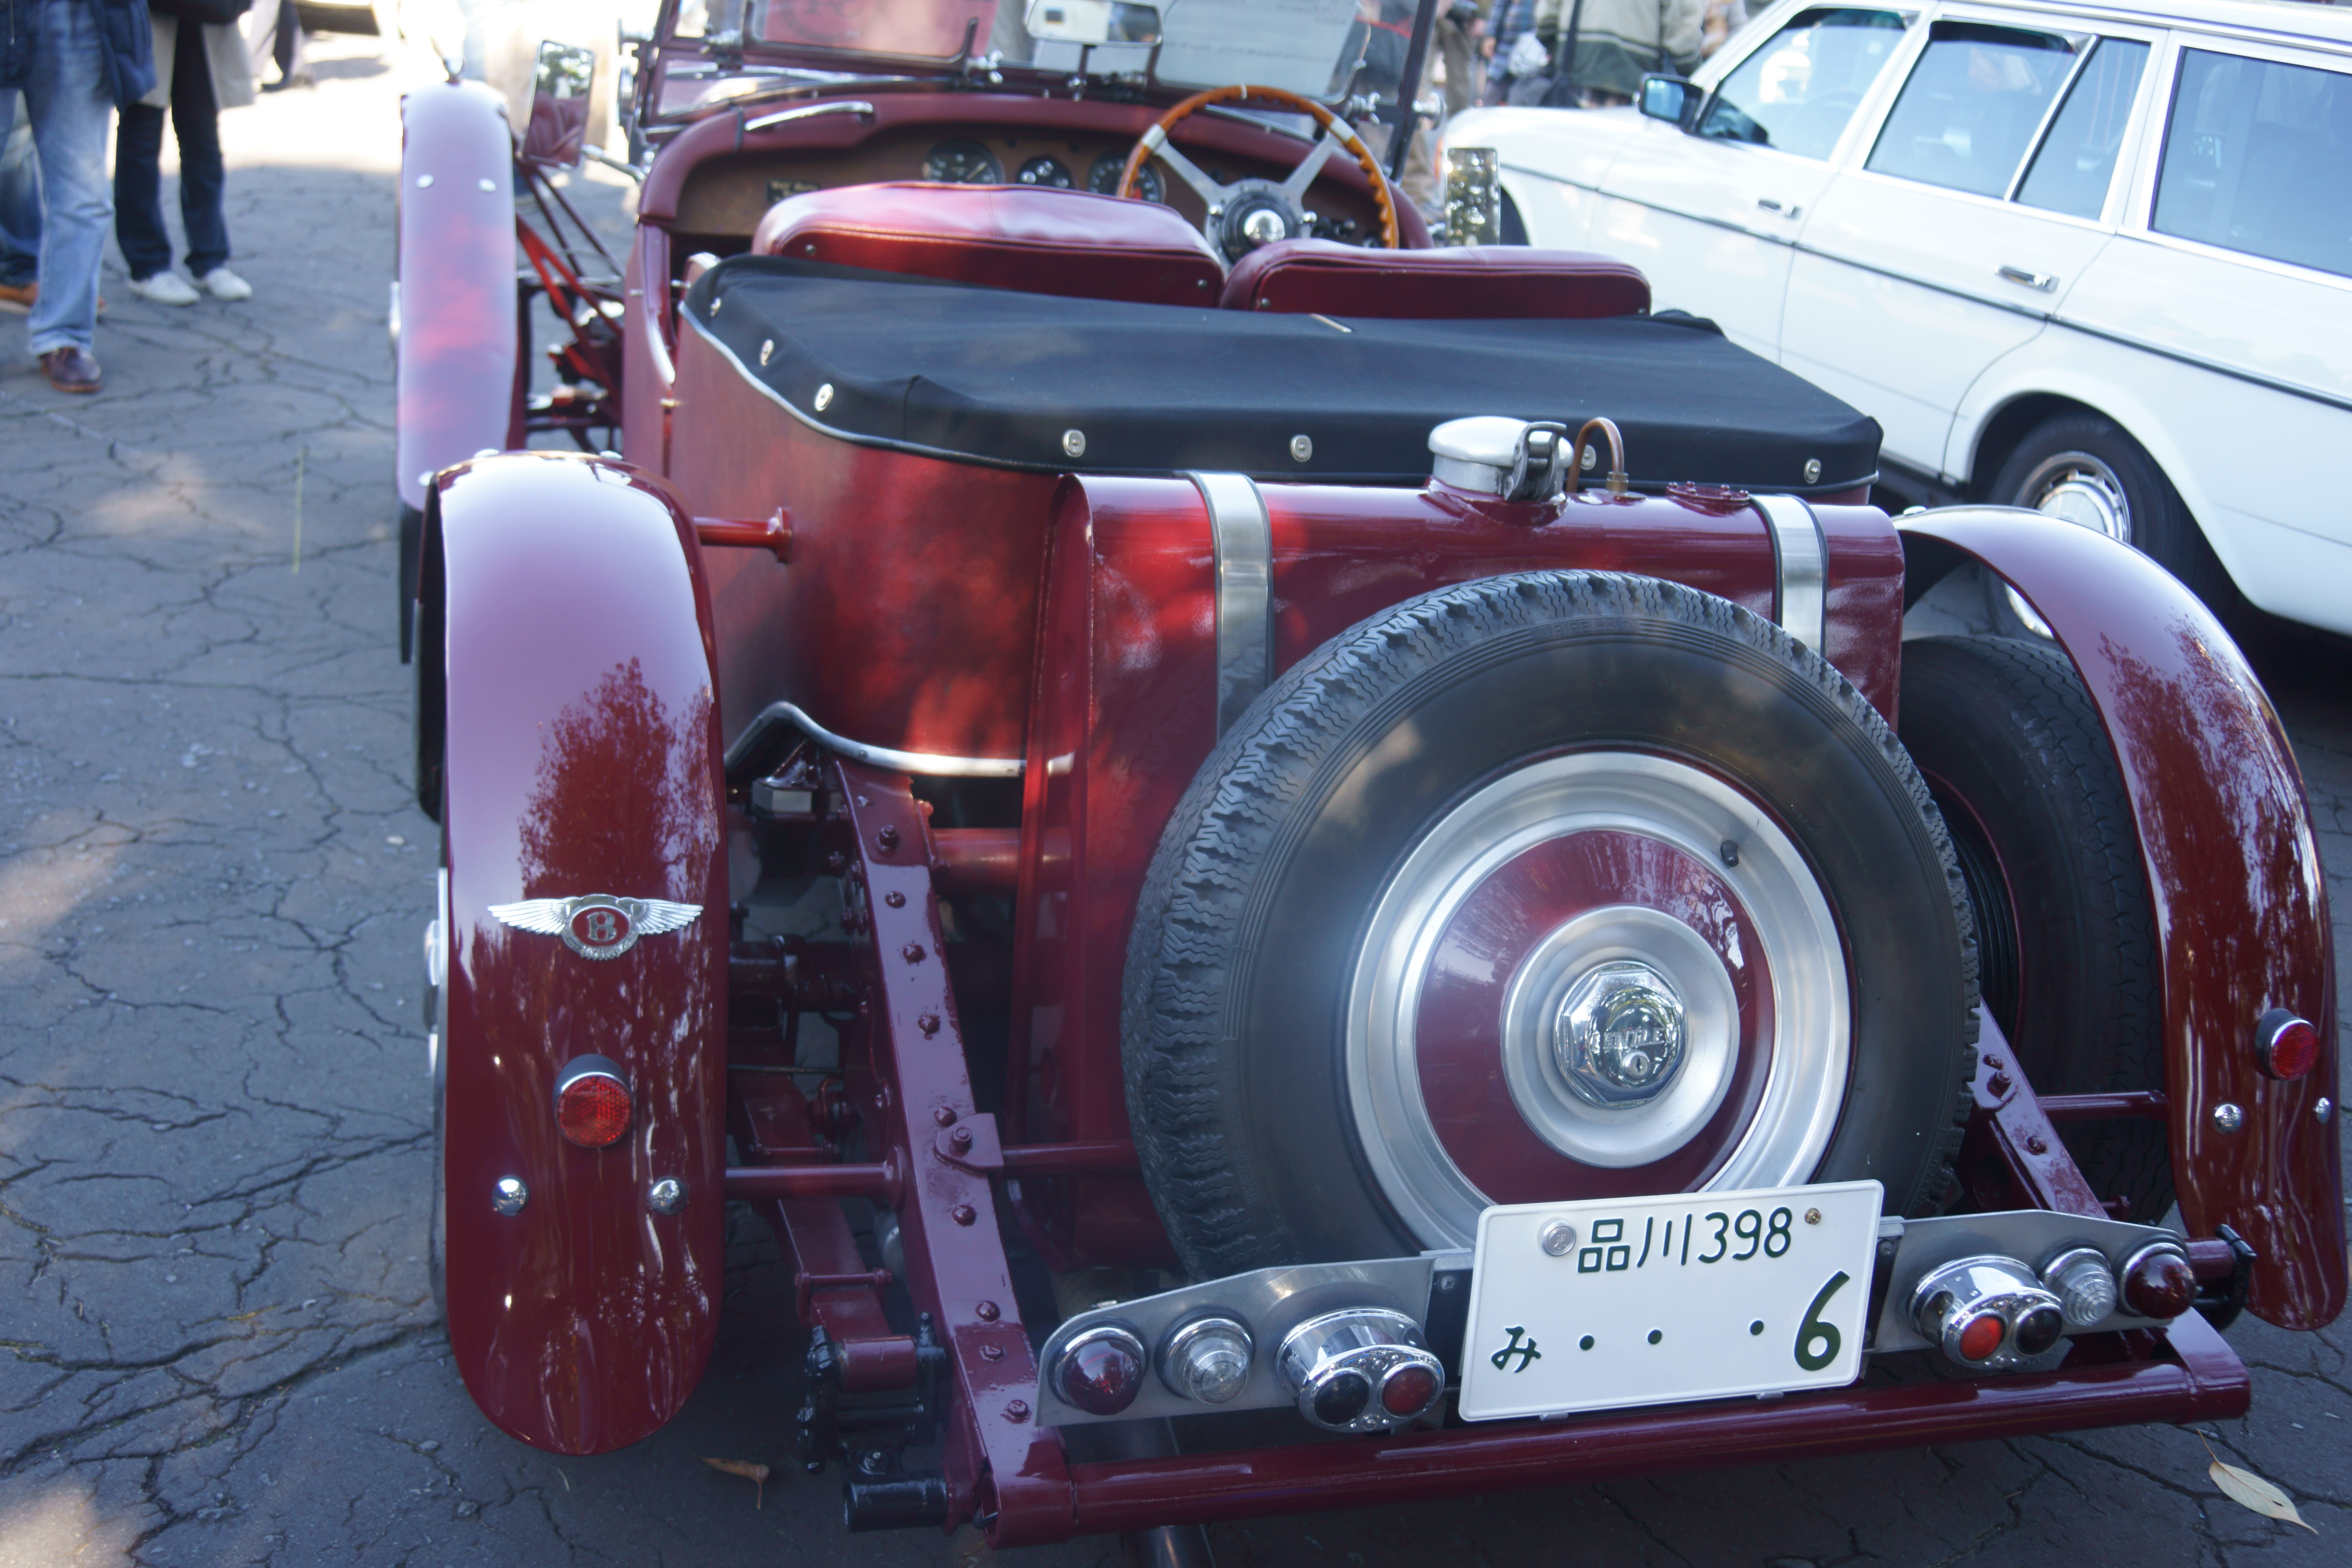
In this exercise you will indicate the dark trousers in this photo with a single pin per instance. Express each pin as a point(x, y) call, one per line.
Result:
point(139, 182)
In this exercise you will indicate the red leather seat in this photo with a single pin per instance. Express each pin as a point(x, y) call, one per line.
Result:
point(1480, 282)
point(1041, 241)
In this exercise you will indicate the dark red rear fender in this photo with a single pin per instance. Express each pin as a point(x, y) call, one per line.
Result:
point(2240, 910)
point(456, 359)
point(582, 757)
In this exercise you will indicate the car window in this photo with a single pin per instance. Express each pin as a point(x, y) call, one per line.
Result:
point(2259, 158)
point(1799, 90)
point(2077, 160)
point(1972, 105)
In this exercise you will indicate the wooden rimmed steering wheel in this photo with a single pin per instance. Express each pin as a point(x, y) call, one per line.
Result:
point(1250, 213)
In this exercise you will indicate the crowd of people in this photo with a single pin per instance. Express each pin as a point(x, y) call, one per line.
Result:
point(69, 71)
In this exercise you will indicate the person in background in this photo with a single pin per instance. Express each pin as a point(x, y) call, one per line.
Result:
point(20, 207)
point(1602, 48)
point(273, 32)
point(1461, 33)
point(1724, 18)
point(76, 61)
point(203, 68)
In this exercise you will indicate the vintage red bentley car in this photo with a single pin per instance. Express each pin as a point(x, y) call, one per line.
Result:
point(1298, 868)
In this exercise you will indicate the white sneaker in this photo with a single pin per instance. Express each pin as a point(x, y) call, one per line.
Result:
point(223, 284)
point(164, 288)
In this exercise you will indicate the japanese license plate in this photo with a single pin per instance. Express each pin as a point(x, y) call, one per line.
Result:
point(1655, 1300)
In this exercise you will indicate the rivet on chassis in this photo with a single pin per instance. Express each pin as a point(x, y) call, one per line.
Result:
point(895, 900)
point(2227, 1117)
point(985, 1311)
point(888, 839)
point(912, 952)
point(509, 1195)
point(929, 1024)
point(945, 1116)
point(963, 1213)
point(666, 1195)
point(1558, 1238)
point(2325, 1109)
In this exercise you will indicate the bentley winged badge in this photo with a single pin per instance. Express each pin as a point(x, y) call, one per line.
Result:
point(598, 925)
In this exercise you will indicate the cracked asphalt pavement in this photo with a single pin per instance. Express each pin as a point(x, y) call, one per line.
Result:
point(220, 1344)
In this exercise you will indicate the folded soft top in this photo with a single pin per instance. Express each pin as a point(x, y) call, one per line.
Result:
point(1034, 381)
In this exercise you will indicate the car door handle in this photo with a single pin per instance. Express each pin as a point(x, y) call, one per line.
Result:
point(1770, 206)
point(2042, 281)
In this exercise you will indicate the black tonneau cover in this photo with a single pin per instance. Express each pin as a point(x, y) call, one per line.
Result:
point(1019, 380)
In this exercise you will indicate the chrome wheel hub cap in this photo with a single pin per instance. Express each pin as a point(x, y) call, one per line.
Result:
point(1618, 1037)
point(2079, 488)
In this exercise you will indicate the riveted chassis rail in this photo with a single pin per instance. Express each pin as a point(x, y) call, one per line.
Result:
point(932, 1157)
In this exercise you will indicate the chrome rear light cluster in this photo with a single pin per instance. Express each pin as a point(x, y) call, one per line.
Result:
point(1359, 1370)
point(1997, 1314)
point(1363, 1370)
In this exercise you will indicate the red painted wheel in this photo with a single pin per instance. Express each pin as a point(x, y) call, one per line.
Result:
point(1548, 887)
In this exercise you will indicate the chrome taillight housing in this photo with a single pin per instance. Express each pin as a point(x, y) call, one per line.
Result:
point(1989, 1313)
point(1206, 1360)
point(1362, 1370)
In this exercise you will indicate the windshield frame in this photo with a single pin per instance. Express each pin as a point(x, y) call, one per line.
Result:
point(797, 71)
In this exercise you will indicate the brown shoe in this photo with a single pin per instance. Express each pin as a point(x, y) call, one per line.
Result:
point(70, 369)
point(19, 296)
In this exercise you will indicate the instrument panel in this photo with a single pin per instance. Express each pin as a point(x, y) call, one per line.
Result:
point(728, 195)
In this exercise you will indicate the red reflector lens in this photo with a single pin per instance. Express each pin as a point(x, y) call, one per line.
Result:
point(2293, 1050)
point(1982, 1336)
point(1102, 1371)
point(2160, 1284)
point(594, 1110)
point(1409, 1390)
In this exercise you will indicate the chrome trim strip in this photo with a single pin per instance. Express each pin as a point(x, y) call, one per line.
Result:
point(810, 111)
point(1800, 568)
point(928, 765)
point(1240, 530)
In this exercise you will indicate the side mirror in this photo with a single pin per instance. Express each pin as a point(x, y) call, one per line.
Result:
point(1091, 22)
point(1670, 99)
point(558, 134)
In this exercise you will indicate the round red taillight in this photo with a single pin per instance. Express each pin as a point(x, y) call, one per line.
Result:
point(2158, 1282)
point(1982, 1336)
point(591, 1103)
point(1101, 1369)
point(1408, 1389)
point(2288, 1046)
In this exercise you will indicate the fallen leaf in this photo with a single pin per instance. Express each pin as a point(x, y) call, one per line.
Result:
point(758, 1475)
point(2250, 1490)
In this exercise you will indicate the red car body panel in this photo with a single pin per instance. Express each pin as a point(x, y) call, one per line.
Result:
point(456, 375)
point(2240, 911)
point(582, 758)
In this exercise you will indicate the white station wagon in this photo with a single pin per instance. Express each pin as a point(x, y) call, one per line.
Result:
point(2093, 260)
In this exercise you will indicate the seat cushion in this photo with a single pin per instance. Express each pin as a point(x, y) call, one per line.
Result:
point(1471, 282)
point(1040, 241)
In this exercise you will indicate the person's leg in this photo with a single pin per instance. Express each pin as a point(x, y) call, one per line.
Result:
point(20, 202)
point(66, 91)
point(196, 124)
point(139, 191)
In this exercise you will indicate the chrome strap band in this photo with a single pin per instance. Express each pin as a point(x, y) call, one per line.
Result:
point(1800, 564)
point(927, 764)
point(1244, 545)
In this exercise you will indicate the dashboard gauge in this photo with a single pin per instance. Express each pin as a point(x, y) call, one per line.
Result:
point(1103, 178)
point(1044, 172)
point(963, 162)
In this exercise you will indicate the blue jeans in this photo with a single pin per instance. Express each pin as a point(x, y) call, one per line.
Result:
point(20, 195)
point(66, 91)
point(139, 184)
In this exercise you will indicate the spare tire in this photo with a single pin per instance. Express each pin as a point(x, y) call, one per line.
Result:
point(1551, 886)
